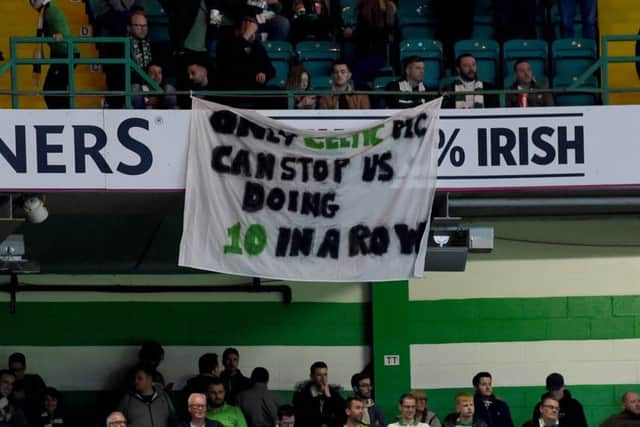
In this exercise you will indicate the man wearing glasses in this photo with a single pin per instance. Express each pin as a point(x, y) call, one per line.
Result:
point(363, 390)
point(571, 413)
point(548, 414)
point(116, 419)
point(198, 410)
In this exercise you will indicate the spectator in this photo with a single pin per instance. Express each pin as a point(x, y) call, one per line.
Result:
point(166, 102)
point(314, 19)
point(10, 415)
point(630, 415)
point(354, 409)
point(423, 414)
point(138, 29)
point(112, 16)
point(524, 80)
point(52, 405)
point(208, 368)
point(412, 83)
point(116, 419)
point(53, 23)
point(269, 18)
point(316, 402)
point(286, 416)
point(488, 408)
point(299, 79)
point(467, 81)
point(373, 37)
point(340, 77)
point(148, 405)
point(243, 64)
point(152, 354)
point(571, 412)
point(28, 389)
point(407, 406)
point(363, 390)
point(219, 410)
point(464, 413)
point(259, 405)
point(234, 380)
point(192, 26)
point(567, 10)
point(197, 404)
point(547, 414)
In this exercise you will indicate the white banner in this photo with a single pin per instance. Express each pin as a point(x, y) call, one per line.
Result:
point(571, 148)
point(265, 199)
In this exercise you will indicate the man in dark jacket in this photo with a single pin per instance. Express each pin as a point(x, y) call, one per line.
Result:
point(630, 415)
point(571, 411)
point(363, 390)
point(148, 405)
point(259, 405)
point(464, 415)
point(468, 81)
point(234, 381)
point(525, 80)
point(316, 403)
point(412, 84)
point(547, 414)
point(488, 407)
point(28, 390)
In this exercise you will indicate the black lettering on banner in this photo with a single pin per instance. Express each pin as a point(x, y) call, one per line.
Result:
point(253, 199)
point(276, 199)
point(320, 170)
point(419, 128)
point(44, 149)
point(271, 136)
point(293, 201)
point(310, 204)
point(357, 240)
point(82, 151)
point(17, 160)
point(217, 155)
point(145, 154)
point(379, 242)
point(398, 125)
point(375, 162)
point(339, 164)
point(288, 172)
point(409, 237)
point(523, 146)
point(265, 166)
point(288, 137)
point(505, 151)
point(284, 235)
point(301, 241)
point(305, 162)
point(245, 126)
point(240, 164)
point(330, 244)
point(329, 209)
point(545, 146)
point(565, 145)
point(224, 121)
point(482, 146)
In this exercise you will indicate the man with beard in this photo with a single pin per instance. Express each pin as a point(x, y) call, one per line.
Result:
point(225, 414)
point(363, 389)
point(466, 91)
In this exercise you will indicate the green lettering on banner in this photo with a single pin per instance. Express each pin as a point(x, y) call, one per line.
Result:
point(312, 143)
point(371, 135)
point(331, 143)
point(255, 241)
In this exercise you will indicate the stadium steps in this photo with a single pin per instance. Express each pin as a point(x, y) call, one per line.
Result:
point(621, 17)
point(23, 23)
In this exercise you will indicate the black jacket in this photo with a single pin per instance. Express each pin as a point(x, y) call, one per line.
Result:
point(411, 99)
point(238, 62)
point(493, 411)
point(234, 385)
point(571, 412)
point(315, 411)
point(182, 14)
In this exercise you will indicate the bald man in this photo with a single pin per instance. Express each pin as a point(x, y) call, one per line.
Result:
point(630, 415)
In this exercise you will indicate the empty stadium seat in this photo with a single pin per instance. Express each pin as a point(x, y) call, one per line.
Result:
point(483, 28)
point(535, 52)
point(282, 72)
point(318, 56)
point(572, 57)
point(321, 82)
point(574, 99)
point(431, 52)
point(379, 83)
point(279, 51)
point(416, 27)
point(487, 54)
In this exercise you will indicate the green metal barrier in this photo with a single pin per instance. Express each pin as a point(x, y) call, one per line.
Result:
point(130, 66)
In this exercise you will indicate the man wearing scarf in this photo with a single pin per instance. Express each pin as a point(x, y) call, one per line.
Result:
point(466, 91)
point(412, 84)
point(52, 23)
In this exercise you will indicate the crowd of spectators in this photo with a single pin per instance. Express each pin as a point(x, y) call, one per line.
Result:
point(225, 397)
point(219, 45)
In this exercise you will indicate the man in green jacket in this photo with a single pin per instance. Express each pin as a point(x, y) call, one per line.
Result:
point(225, 414)
point(53, 23)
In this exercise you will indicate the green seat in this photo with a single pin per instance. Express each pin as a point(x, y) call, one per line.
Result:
point(416, 27)
point(430, 51)
point(574, 98)
point(534, 51)
point(483, 28)
point(318, 56)
point(572, 57)
point(279, 50)
point(487, 54)
point(321, 82)
point(282, 72)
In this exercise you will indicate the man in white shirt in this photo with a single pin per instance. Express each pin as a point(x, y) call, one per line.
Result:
point(407, 407)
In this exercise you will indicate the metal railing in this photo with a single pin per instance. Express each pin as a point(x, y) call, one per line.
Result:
point(130, 67)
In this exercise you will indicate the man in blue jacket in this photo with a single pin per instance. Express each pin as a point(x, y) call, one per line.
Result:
point(489, 408)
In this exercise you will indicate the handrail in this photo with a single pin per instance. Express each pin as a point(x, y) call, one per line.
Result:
point(132, 67)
